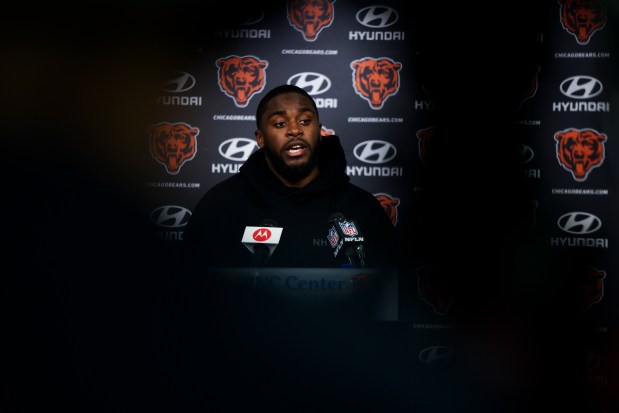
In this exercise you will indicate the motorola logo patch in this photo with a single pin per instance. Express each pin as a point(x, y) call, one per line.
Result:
point(313, 83)
point(581, 87)
point(170, 216)
point(237, 149)
point(579, 223)
point(182, 83)
point(436, 355)
point(261, 235)
point(377, 17)
point(375, 151)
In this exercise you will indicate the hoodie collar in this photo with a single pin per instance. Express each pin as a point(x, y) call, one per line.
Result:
point(331, 163)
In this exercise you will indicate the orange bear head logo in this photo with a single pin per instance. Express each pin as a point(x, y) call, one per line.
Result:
point(582, 18)
point(310, 16)
point(375, 80)
point(390, 205)
point(241, 77)
point(173, 144)
point(579, 151)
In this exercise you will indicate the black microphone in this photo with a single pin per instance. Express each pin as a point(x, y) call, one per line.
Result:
point(262, 240)
point(346, 239)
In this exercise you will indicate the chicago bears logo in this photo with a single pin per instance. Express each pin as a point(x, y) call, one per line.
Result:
point(310, 16)
point(324, 131)
point(526, 87)
point(375, 80)
point(591, 285)
point(425, 137)
point(579, 151)
point(390, 205)
point(173, 144)
point(582, 18)
point(435, 288)
point(241, 77)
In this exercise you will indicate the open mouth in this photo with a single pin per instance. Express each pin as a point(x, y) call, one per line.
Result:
point(295, 149)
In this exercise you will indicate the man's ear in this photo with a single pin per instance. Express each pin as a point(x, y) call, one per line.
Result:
point(259, 138)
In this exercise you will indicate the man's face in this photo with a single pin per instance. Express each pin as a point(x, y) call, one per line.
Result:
point(290, 133)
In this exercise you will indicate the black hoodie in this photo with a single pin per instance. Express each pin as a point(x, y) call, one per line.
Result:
point(255, 194)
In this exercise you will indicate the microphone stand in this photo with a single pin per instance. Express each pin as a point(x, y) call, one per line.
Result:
point(360, 250)
point(261, 256)
point(356, 256)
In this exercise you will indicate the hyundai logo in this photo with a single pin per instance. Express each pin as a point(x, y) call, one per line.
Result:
point(375, 151)
point(170, 216)
point(313, 83)
point(526, 154)
point(592, 360)
point(251, 17)
point(377, 17)
point(436, 354)
point(237, 149)
point(579, 223)
point(182, 83)
point(581, 87)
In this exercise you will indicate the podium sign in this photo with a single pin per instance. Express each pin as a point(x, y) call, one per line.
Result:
point(375, 290)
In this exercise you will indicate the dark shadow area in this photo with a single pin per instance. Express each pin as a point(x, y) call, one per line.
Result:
point(100, 317)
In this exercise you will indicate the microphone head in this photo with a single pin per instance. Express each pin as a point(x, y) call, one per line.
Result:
point(268, 222)
point(336, 216)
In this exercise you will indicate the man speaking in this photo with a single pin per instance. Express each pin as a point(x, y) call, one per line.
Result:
point(297, 179)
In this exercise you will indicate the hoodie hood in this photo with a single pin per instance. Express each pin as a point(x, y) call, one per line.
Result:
point(331, 163)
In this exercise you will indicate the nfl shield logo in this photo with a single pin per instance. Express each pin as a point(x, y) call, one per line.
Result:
point(333, 237)
point(348, 228)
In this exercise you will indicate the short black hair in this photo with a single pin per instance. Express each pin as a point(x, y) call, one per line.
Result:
point(280, 90)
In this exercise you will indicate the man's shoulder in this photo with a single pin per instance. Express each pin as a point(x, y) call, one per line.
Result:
point(355, 198)
point(227, 184)
point(357, 191)
point(225, 192)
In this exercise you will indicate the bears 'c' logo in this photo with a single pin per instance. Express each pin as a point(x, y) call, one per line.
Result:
point(241, 77)
point(375, 80)
point(582, 18)
point(390, 205)
point(580, 151)
point(173, 144)
point(310, 16)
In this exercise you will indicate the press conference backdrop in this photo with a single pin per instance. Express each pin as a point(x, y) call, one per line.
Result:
point(366, 65)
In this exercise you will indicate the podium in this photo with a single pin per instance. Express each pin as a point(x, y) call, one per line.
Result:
point(373, 292)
